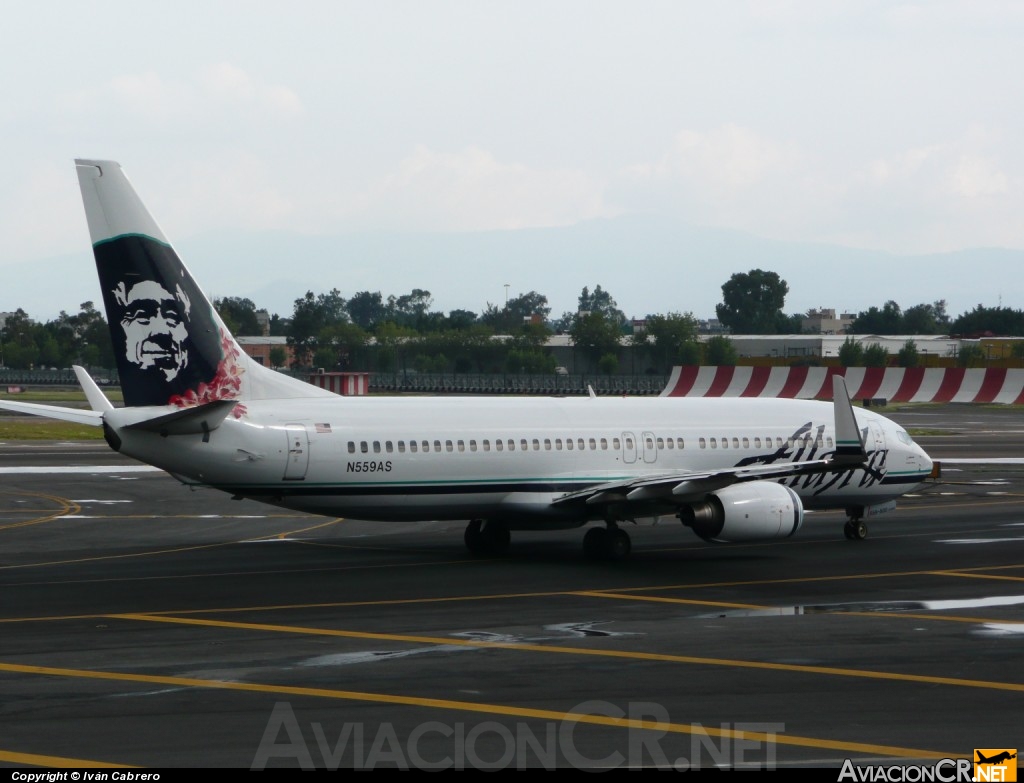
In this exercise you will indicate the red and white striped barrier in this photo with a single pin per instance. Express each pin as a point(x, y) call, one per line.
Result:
point(348, 384)
point(898, 384)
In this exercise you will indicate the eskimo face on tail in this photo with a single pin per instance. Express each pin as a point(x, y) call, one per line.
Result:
point(155, 327)
point(168, 342)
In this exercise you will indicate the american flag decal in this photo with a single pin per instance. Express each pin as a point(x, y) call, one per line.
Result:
point(323, 429)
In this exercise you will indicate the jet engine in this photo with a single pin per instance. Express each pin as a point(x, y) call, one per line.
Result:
point(750, 511)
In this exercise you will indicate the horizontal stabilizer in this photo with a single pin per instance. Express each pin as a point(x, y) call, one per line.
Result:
point(188, 421)
point(97, 399)
point(91, 418)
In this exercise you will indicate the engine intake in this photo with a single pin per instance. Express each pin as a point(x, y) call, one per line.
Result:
point(752, 511)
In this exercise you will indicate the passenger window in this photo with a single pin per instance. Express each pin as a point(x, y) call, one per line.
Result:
point(389, 447)
point(523, 445)
point(593, 445)
point(757, 443)
point(558, 444)
point(725, 443)
point(487, 445)
point(679, 443)
point(568, 444)
point(703, 443)
point(462, 445)
point(746, 443)
point(547, 444)
point(536, 445)
point(735, 443)
point(498, 445)
point(511, 445)
point(714, 443)
point(401, 447)
point(412, 446)
point(580, 444)
point(629, 444)
point(830, 441)
point(376, 447)
point(351, 447)
point(448, 446)
point(649, 443)
point(364, 446)
point(425, 445)
point(472, 445)
point(661, 443)
point(604, 444)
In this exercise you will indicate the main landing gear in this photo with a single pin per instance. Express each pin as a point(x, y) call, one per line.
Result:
point(487, 537)
point(607, 543)
point(855, 528)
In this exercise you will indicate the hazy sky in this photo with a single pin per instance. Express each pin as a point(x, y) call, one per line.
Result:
point(882, 125)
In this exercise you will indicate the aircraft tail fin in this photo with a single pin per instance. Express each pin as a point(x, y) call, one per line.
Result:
point(171, 346)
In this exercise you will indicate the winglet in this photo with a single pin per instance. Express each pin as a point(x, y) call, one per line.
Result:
point(97, 400)
point(849, 446)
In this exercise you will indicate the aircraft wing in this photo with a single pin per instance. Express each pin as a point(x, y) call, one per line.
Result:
point(679, 487)
point(684, 486)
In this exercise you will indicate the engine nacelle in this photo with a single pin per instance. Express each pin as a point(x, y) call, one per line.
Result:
point(752, 511)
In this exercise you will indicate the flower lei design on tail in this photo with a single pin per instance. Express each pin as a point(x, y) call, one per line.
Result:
point(226, 384)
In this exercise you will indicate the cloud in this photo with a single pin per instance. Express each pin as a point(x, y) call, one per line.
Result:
point(472, 190)
point(949, 194)
point(220, 92)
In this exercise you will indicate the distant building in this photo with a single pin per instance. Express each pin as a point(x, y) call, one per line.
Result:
point(824, 321)
point(259, 348)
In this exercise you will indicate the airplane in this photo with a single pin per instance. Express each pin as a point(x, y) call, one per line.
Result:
point(996, 759)
point(196, 406)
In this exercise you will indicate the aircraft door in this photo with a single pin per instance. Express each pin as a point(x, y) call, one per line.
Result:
point(298, 452)
point(628, 448)
point(650, 445)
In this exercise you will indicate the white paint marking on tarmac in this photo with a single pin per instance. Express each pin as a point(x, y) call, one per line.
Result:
point(82, 469)
point(978, 540)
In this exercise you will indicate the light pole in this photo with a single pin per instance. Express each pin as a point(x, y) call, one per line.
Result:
point(506, 295)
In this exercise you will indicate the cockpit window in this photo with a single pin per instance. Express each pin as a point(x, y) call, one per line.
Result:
point(904, 437)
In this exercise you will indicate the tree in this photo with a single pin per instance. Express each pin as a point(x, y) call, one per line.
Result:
point(752, 303)
point(851, 353)
point(675, 339)
point(970, 355)
point(926, 319)
point(311, 316)
point(409, 309)
point(888, 320)
point(238, 315)
point(596, 335)
point(600, 301)
point(989, 321)
point(519, 310)
point(720, 352)
point(366, 309)
point(908, 355)
point(278, 356)
point(876, 356)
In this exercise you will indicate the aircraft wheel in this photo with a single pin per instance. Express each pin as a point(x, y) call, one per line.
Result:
point(855, 530)
point(496, 537)
point(487, 538)
point(594, 542)
point(474, 537)
point(618, 545)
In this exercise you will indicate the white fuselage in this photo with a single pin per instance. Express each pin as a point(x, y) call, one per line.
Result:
point(401, 458)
